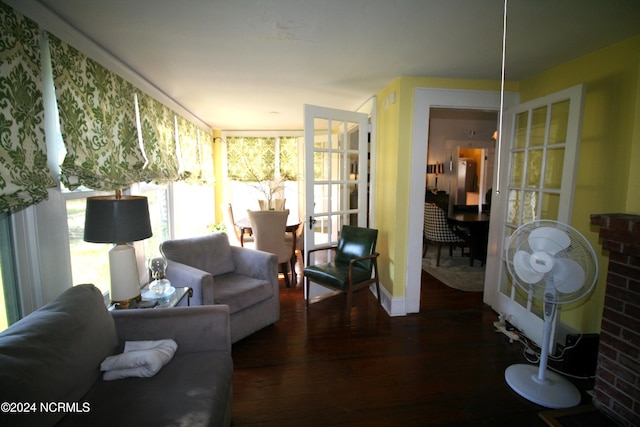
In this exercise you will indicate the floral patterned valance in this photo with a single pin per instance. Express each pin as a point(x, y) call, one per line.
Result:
point(97, 113)
point(206, 157)
point(158, 135)
point(252, 159)
point(97, 117)
point(24, 175)
point(196, 152)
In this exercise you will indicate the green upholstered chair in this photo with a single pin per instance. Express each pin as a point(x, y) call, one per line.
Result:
point(354, 266)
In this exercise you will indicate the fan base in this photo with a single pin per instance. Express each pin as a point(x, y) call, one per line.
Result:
point(554, 392)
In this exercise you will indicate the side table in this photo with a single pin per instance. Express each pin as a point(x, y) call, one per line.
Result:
point(171, 301)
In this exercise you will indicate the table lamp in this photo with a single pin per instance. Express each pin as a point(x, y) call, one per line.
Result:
point(435, 168)
point(120, 220)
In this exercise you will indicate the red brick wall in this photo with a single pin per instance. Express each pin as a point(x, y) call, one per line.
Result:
point(617, 383)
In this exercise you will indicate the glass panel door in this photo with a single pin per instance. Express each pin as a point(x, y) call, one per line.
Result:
point(539, 184)
point(336, 168)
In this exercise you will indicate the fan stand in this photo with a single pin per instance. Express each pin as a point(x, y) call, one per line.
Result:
point(538, 384)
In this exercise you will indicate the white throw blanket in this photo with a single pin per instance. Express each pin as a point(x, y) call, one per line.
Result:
point(139, 359)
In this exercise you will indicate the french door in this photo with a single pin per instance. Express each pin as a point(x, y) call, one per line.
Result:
point(538, 184)
point(336, 169)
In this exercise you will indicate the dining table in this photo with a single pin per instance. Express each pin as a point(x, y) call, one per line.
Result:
point(292, 226)
point(478, 225)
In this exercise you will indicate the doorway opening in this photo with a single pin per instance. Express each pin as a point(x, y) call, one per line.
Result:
point(460, 157)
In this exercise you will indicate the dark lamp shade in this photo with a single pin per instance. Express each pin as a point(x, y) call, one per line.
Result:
point(112, 220)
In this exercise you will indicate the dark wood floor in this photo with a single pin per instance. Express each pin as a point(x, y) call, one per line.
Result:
point(443, 366)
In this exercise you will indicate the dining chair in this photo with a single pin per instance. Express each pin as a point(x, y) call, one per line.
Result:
point(437, 230)
point(354, 267)
point(233, 231)
point(269, 234)
point(278, 204)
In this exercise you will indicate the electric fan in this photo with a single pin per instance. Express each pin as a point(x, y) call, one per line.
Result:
point(555, 264)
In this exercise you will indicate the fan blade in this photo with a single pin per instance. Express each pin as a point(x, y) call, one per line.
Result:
point(548, 239)
point(568, 275)
point(523, 268)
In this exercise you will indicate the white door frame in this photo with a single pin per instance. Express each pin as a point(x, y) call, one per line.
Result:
point(424, 100)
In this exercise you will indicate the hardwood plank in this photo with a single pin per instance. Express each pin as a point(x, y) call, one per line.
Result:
point(443, 366)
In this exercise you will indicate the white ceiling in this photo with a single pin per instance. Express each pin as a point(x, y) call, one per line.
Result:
point(252, 64)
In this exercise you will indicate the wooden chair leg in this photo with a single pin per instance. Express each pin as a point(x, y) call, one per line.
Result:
point(285, 272)
point(306, 285)
point(438, 255)
point(378, 292)
point(292, 261)
point(349, 305)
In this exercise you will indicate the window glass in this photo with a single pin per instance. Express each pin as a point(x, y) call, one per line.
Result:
point(538, 127)
point(553, 171)
point(559, 122)
point(89, 261)
point(9, 308)
point(193, 208)
point(158, 199)
point(520, 137)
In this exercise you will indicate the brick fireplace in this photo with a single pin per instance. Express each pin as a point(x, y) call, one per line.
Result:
point(617, 383)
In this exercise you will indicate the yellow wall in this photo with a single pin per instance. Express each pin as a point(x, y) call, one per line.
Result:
point(391, 245)
point(393, 172)
point(606, 180)
point(218, 186)
point(608, 177)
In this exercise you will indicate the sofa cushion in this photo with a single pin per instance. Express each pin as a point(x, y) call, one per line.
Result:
point(210, 253)
point(191, 390)
point(54, 353)
point(239, 291)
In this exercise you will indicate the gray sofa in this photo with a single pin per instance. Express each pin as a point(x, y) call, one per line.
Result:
point(244, 279)
point(50, 366)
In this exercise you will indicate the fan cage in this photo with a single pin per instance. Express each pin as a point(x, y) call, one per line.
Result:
point(578, 250)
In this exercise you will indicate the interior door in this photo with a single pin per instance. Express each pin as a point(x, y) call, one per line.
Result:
point(538, 184)
point(336, 169)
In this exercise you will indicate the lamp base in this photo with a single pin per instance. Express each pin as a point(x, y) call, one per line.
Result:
point(125, 282)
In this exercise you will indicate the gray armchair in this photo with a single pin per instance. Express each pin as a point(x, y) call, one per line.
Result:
point(244, 279)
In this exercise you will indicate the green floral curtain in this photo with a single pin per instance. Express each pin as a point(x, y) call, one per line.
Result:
point(196, 152)
point(253, 159)
point(97, 116)
point(24, 175)
point(206, 157)
point(189, 151)
point(289, 158)
point(158, 135)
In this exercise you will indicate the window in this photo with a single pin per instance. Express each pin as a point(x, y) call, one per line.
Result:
point(158, 199)
point(257, 163)
point(9, 308)
point(89, 261)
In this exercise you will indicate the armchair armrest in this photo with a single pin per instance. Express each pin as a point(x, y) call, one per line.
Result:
point(200, 281)
point(319, 248)
point(201, 328)
point(364, 258)
point(254, 263)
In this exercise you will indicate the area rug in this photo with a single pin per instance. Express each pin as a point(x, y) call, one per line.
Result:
point(454, 271)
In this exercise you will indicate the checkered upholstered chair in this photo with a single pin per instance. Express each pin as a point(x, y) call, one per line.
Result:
point(438, 232)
